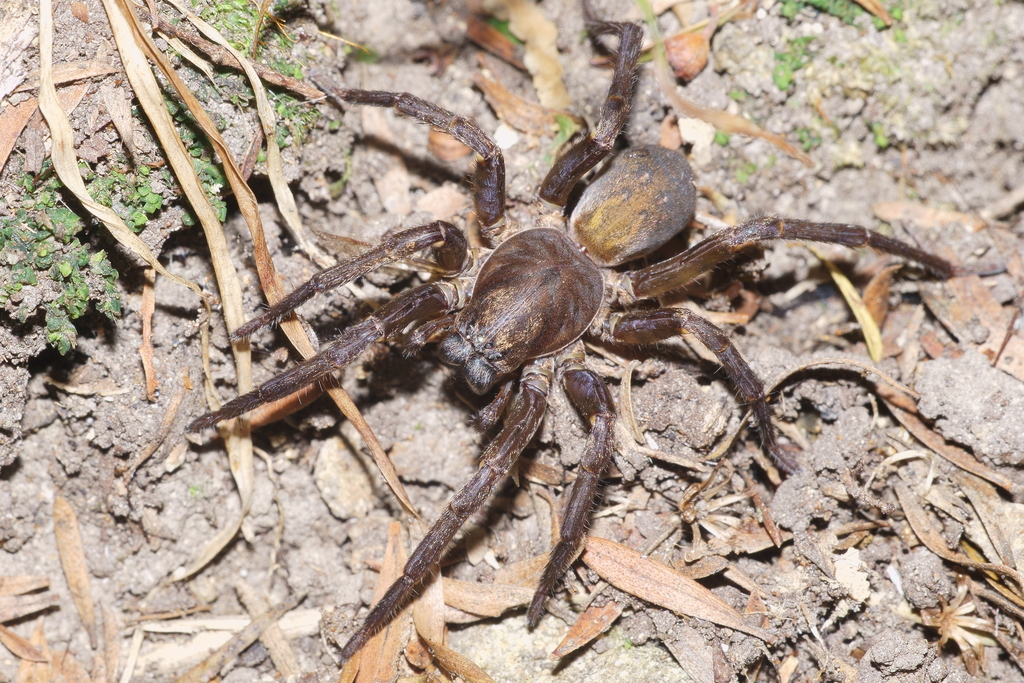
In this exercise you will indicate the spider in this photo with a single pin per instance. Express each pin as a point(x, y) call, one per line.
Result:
point(515, 319)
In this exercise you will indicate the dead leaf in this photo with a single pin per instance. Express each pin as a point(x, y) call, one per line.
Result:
point(650, 580)
point(12, 121)
point(378, 658)
point(16, 585)
point(876, 293)
point(527, 22)
point(445, 147)
point(68, 669)
point(868, 325)
point(494, 41)
point(111, 640)
point(36, 672)
point(20, 647)
point(68, 72)
point(211, 666)
point(15, 607)
point(940, 446)
point(923, 216)
point(485, 599)
point(589, 625)
point(521, 114)
point(428, 610)
point(933, 540)
point(72, 559)
point(458, 664)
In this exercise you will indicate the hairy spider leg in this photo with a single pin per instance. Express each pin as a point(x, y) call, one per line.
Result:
point(422, 303)
point(489, 186)
point(724, 245)
point(524, 418)
point(589, 393)
point(586, 153)
point(645, 327)
point(447, 243)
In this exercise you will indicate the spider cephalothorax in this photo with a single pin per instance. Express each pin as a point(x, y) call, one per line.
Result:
point(518, 319)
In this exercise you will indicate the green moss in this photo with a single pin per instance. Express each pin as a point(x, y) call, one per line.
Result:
point(39, 247)
point(788, 62)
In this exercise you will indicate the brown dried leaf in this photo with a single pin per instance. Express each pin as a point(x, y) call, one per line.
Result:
point(650, 580)
point(485, 599)
point(15, 607)
point(428, 610)
point(119, 108)
point(494, 41)
point(922, 216)
point(876, 293)
point(380, 654)
point(13, 120)
point(68, 72)
point(589, 625)
point(20, 647)
point(146, 311)
point(445, 147)
point(940, 446)
point(868, 325)
point(111, 640)
point(1003, 521)
point(17, 585)
point(523, 573)
point(933, 540)
point(36, 672)
point(67, 668)
point(521, 114)
point(527, 22)
point(458, 664)
point(875, 7)
point(72, 559)
point(211, 666)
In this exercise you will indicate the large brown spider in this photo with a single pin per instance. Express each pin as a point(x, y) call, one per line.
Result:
point(516, 317)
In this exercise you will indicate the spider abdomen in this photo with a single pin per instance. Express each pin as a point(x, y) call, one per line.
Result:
point(535, 294)
point(641, 200)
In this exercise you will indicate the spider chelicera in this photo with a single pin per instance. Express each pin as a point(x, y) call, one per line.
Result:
point(515, 318)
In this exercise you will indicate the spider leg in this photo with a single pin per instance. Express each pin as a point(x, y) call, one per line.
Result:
point(428, 301)
point(585, 154)
point(645, 327)
point(446, 241)
point(724, 245)
point(590, 395)
point(489, 193)
point(501, 454)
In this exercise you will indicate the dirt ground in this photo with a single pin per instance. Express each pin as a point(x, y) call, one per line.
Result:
point(915, 130)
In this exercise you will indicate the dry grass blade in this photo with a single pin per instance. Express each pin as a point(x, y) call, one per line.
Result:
point(111, 640)
point(485, 599)
point(377, 661)
point(146, 348)
point(872, 335)
point(20, 647)
point(842, 361)
point(269, 278)
point(589, 625)
point(134, 46)
point(650, 580)
point(72, 559)
point(281, 652)
point(212, 665)
point(933, 540)
point(1003, 521)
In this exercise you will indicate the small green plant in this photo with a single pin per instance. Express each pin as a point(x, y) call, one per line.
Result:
point(795, 57)
point(878, 133)
point(39, 249)
point(808, 138)
point(846, 10)
point(721, 139)
point(744, 172)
